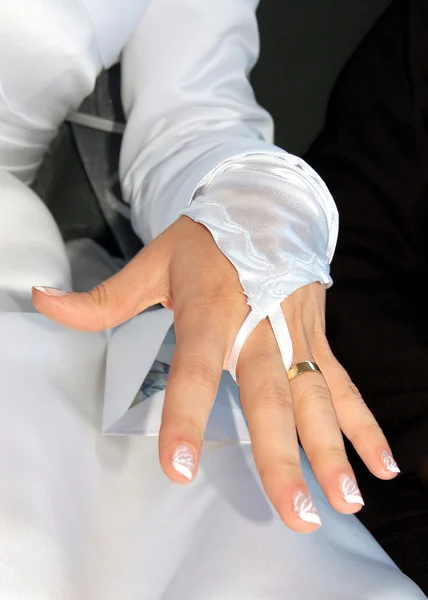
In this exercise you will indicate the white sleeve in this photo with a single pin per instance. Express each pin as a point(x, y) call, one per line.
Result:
point(197, 143)
point(188, 102)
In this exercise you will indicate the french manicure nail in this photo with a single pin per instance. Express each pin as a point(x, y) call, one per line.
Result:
point(350, 490)
point(50, 291)
point(389, 462)
point(305, 508)
point(183, 461)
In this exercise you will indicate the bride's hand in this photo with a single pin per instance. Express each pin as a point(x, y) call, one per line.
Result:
point(184, 270)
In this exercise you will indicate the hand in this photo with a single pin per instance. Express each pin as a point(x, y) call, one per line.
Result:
point(185, 271)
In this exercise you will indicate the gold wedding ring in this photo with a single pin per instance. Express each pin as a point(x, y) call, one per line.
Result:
point(306, 366)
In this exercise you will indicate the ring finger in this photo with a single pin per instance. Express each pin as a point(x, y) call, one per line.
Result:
point(320, 434)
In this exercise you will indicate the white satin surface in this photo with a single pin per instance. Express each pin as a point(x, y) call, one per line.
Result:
point(274, 218)
point(51, 52)
point(31, 247)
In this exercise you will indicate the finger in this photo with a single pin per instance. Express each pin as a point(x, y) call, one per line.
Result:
point(142, 283)
point(355, 418)
point(192, 386)
point(266, 400)
point(320, 433)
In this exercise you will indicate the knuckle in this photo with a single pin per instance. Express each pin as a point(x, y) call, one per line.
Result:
point(364, 432)
point(336, 454)
point(273, 398)
point(349, 391)
point(277, 468)
point(353, 391)
point(314, 398)
point(181, 425)
point(349, 398)
point(100, 301)
point(329, 454)
point(99, 295)
point(268, 411)
point(199, 373)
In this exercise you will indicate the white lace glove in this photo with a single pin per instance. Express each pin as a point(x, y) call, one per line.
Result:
point(273, 217)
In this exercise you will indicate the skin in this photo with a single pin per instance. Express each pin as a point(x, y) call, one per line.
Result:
point(185, 271)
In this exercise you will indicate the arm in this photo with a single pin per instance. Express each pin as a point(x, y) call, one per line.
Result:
point(190, 106)
point(195, 132)
point(188, 102)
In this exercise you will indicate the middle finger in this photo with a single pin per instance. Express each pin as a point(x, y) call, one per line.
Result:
point(320, 434)
point(266, 401)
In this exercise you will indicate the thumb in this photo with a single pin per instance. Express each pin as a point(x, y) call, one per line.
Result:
point(142, 283)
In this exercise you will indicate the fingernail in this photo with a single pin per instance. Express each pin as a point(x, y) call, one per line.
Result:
point(305, 508)
point(50, 291)
point(183, 461)
point(350, 490)
point(389, 462)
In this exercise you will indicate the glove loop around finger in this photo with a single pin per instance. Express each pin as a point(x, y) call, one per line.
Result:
point(280, 329)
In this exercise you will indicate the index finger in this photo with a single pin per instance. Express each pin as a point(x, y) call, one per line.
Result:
point(192, 386)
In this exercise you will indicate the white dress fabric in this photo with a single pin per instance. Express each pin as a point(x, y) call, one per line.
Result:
point(90, 517)
point(84, 516)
